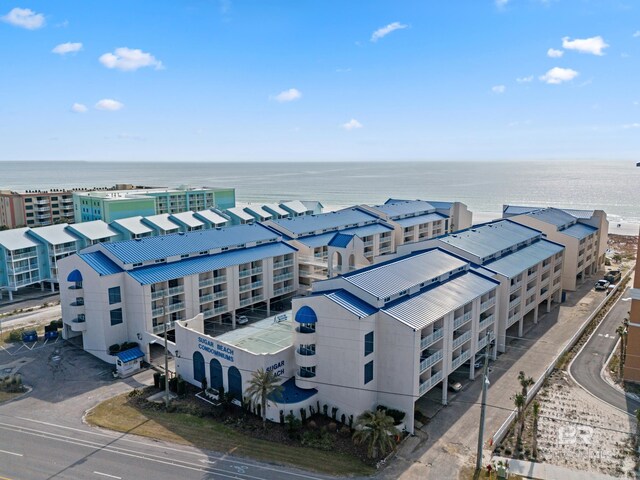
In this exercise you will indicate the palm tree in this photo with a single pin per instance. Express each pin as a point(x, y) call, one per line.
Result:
point(534, 441)
point(525, 383)
point(622, 333)
point(519, 401)
point(376, 430)
point(261, 386)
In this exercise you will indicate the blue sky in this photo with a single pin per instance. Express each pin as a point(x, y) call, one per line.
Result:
point(255, 80)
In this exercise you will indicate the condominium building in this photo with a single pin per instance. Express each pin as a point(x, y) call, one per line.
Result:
point(35, 208)
point(131, 290)
point(110, 205)
point(584, 234)
point(527, 265)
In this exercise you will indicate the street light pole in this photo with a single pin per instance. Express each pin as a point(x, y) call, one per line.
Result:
point(166, 359)
point(483, 406)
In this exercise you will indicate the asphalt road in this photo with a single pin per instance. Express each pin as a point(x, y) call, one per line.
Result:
point(34, 450)
point(587, 365)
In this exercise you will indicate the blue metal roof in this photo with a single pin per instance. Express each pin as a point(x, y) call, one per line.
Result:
point(130, 355)
point(74, 276)
point(306, 315)
point(324, 238)
point(390, 278)
point(441, 205)
point(429, 305)
point(358, 307)
point(291, 393)
point(553, 216)
point(312, 223)
point(490, 238)
point(340, 240)
point(579, 230)
point(102, 264)
point(584, 214)
point(205, 263)
point(514, 263)
point(510, 210)
point(405, 207)
point(419, 219)
point(152, 248)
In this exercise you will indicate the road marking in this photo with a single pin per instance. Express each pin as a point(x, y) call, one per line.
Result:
point(4, 478)
point(107, 475)
point(12, 453)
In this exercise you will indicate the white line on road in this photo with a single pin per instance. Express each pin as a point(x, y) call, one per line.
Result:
point(12, 453)
point(107, 475)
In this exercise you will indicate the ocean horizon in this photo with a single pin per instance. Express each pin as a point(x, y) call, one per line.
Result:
point(484, 186)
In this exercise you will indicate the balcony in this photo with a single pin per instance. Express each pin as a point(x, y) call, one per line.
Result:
point(250, 300)
point(158, 294)
point(207, 282)
point(78, 324)
point(28, 281)
point(176, 290)
point(220, 309)
point(206, 298)
point(249, 271)
point(22, 256)
point(174, 307)
point(430, 360)
point(515, 302)
point(385, 249)
point(303, 373)
point(487, 304)
point(79, 302)
point(426, 385)
point(530, 291)
point(486, 322)
point(432, 338)
point(546, 267)
point(465, 337)
point(515, 287)
point(157, 312)
point(208, 313)
point(283, 277)
point(28, 268)
point(160, 328)
point(482, 342)
point(306, 351)
point(315, 261)
point(43, 209)
point(219, 279)
point(67, 201)
point(283, 264)
point(219, 295)
point(250, 286)
point(544, 282)
point(460, 359)
point(60, 250)
point(513, 319)
point(368, 243)
point(283, 290)
point(42, 202)
point(306, 329)
point(461, 320)
point(43, 216)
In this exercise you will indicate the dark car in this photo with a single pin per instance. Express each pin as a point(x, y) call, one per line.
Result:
point(602, 285)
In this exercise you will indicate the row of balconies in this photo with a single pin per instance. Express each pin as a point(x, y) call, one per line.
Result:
point(250, 286)
point(208, 282)
point(487, 304)
point(432, 338)
point(249, 271)
point(282, 264)
point(461, 320)
point(427, 384)
point(460, 359)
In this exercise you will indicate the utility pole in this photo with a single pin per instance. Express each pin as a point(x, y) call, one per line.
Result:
point(166, 358)
point(483, 406)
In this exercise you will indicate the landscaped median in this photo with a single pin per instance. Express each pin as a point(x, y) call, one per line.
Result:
point(191, 424)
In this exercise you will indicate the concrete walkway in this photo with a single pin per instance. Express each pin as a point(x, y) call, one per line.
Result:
point(544, 471)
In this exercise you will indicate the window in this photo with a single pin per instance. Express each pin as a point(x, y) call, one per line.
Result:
point(116, 316)
point(368, 372)
point(368, 343)
point(114, 295)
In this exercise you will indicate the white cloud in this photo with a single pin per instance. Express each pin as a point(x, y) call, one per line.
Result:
point(498, 89)
point(384, 31)
point(527, 79)
point(631, 125)
point(68, 47)
point(501, 3)
point(109, 105)
point(593, 45)
point(553, 53)
point(559, 75)
point(25, 18)
point(288, 95)
point(128, 59)
point(636, 34)
point(78, 108)
point(352, 124)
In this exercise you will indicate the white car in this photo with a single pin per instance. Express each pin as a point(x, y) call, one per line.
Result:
point(242, 320)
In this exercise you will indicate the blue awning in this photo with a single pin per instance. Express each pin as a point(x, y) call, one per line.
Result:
point(130, 355)
point(74, 276)
point(306, 315)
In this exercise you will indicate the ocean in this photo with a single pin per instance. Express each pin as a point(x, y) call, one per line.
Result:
point(483, 186)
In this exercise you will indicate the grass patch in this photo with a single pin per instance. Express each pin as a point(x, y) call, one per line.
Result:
point(119, 415)
point(6, 396)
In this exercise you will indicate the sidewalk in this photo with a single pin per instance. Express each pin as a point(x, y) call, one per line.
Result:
point(545, 471)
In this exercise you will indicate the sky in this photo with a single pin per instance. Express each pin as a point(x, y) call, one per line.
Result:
point(366, 80)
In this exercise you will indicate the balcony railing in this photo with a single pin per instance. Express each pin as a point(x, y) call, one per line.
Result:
point(282, 264)
point(303, 329)
point(160, 328)
point(250, 300)
point(515, 301)
point(219, 295)
point(515, 287)
point(465, 337)
point(206, 298)
point(513, 319)
point(482, 342)
point(250, 286)
point(460, 359)
point(486, 322)
point(157, 312)
point(283, 290)
point(283, 277)
point(176, 290)
point(427, 384)
point(59, 250)
point(158, 294)
point(487, 304)
point(22, 256)
point(249, 271)
point(385, 249)
point(306, 351)
point(207, 282)
point(430, 360)
point(17, 270)
point(530, 291)
point(306, 374)
point(432, 338)
point(461, 320)
point(174, 307)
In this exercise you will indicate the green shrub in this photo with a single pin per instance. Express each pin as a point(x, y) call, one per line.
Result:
point(113, 349)
point(317, 439)
point(16, 335)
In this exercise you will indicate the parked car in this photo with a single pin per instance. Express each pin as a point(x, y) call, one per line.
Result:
point(602, 284)
point(454, 386)
point(242, 320)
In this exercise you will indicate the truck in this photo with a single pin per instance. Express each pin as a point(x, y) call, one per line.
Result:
point(613, 276)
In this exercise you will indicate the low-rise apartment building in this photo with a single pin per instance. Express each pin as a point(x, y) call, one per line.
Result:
point(584, 234)
point(35, 208)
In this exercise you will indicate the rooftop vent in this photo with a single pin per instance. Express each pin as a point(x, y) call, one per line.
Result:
point(180, 233)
